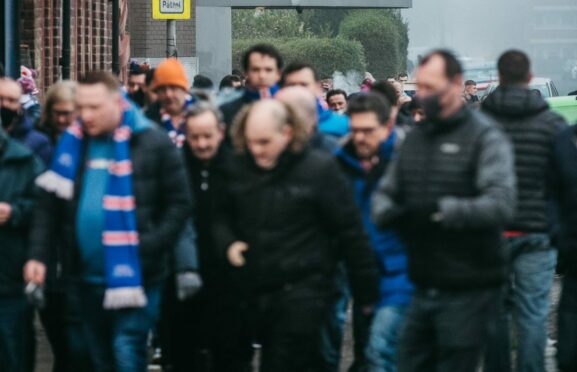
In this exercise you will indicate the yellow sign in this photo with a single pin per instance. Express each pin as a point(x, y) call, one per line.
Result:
point(171, 9)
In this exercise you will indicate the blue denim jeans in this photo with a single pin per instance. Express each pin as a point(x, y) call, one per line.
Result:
point(117, 338)
point(385, 337)
point(15, 331)
point(532, 268)
point(334, 326)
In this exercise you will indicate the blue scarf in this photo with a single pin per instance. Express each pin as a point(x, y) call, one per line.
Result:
point(120, 236)
point(252, 95)
point(175, 132)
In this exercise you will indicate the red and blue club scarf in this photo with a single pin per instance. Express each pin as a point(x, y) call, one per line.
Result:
point(120, 238)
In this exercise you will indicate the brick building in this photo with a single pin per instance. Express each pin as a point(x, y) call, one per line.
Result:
point(41, 37)
point(148, 36)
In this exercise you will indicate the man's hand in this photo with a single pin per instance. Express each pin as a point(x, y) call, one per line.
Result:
point(34, 272)
point(5, 212)
point(235, 253)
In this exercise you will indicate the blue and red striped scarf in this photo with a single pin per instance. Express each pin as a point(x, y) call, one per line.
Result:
point(175, 130)
point(120, 236)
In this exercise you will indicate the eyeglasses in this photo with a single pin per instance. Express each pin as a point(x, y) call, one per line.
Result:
point(59, 113)
point(365, 131)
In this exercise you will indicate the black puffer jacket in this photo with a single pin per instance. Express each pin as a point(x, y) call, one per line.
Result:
point(291, 218)
point(532, 128)
point(162, 204)
point(463, 169)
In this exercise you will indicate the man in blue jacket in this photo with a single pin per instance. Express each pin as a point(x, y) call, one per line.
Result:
point(365, 158)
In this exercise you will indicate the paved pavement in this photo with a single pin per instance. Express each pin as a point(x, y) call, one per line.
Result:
point(44, 356)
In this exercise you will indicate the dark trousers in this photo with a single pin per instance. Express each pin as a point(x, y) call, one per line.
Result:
point(289, 326)
point(567, 338)
point(15, 331)
point(446, 331)
point(62, 321)
point(207, 333)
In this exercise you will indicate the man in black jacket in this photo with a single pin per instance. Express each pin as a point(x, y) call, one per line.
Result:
point(18, 169)
point(564, 184)
point(532, 128)
point(449, 193)
point(205, 327)
point(84, 217)
point(284, 209)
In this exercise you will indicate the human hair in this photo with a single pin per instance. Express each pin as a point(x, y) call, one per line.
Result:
point(285, 116)
point(109, 80)
point(295, 67)
point(202, 82)
point(453, 67)
point(264, 49)
point(370, 102)
point(64, 91)
point(336, 92)
point(402, 75)
point(135, 69)
point(514, 67)
point(228, 80)
point(387, 90)
point(202, 107)
point(468, 83)
point(149, 76)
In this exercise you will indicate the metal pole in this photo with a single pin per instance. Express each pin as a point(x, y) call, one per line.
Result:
point(171, 50)
point(12, 38)
point(65, 39)
point(115, 36)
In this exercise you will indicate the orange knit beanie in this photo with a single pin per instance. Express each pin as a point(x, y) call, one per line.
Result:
point(170, 72)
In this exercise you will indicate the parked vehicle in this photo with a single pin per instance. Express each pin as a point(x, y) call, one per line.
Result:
point(565, 106)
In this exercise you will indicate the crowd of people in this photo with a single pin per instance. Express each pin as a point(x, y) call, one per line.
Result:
point(154, 216)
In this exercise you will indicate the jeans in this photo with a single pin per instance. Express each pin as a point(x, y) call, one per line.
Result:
point(15, 331)
point(334, 326)
point(117, 338)
point(532, 268)
point(384, 338)
point(333, 329)
point(567, 334)
point(446, 331)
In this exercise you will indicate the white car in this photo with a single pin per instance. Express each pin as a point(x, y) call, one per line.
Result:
point(544, 85)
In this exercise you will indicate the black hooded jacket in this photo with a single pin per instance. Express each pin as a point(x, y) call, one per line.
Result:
point(532, 128)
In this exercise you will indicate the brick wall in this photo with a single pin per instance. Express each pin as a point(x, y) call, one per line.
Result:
point(148, 36)
point(91, 36)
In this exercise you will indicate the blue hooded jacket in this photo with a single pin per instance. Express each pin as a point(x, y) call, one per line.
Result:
point(331, 123)
point(395, 287)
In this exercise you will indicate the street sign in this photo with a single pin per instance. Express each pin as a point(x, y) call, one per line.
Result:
point(171, 9)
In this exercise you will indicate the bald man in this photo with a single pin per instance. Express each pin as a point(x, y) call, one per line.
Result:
point(303, 102)
point(286, 216)
point(18, 124)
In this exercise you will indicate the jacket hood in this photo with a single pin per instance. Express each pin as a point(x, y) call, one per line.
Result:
point(514, 101)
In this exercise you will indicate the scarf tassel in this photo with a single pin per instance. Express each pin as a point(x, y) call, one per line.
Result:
point(54, 182)
point(124, 297)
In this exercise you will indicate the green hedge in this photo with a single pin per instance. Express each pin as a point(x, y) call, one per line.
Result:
point(326, 55)
point(384, 38)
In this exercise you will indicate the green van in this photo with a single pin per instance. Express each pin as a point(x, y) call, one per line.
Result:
point(565, 106)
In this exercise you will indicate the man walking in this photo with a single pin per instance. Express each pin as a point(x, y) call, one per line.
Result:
point(449, 193)
point(117, 185)
point(287, 217)
point(532, 128)
point(364, 159)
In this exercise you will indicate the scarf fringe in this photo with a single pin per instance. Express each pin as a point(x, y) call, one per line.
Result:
point(124, 297)
point(53, 182)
